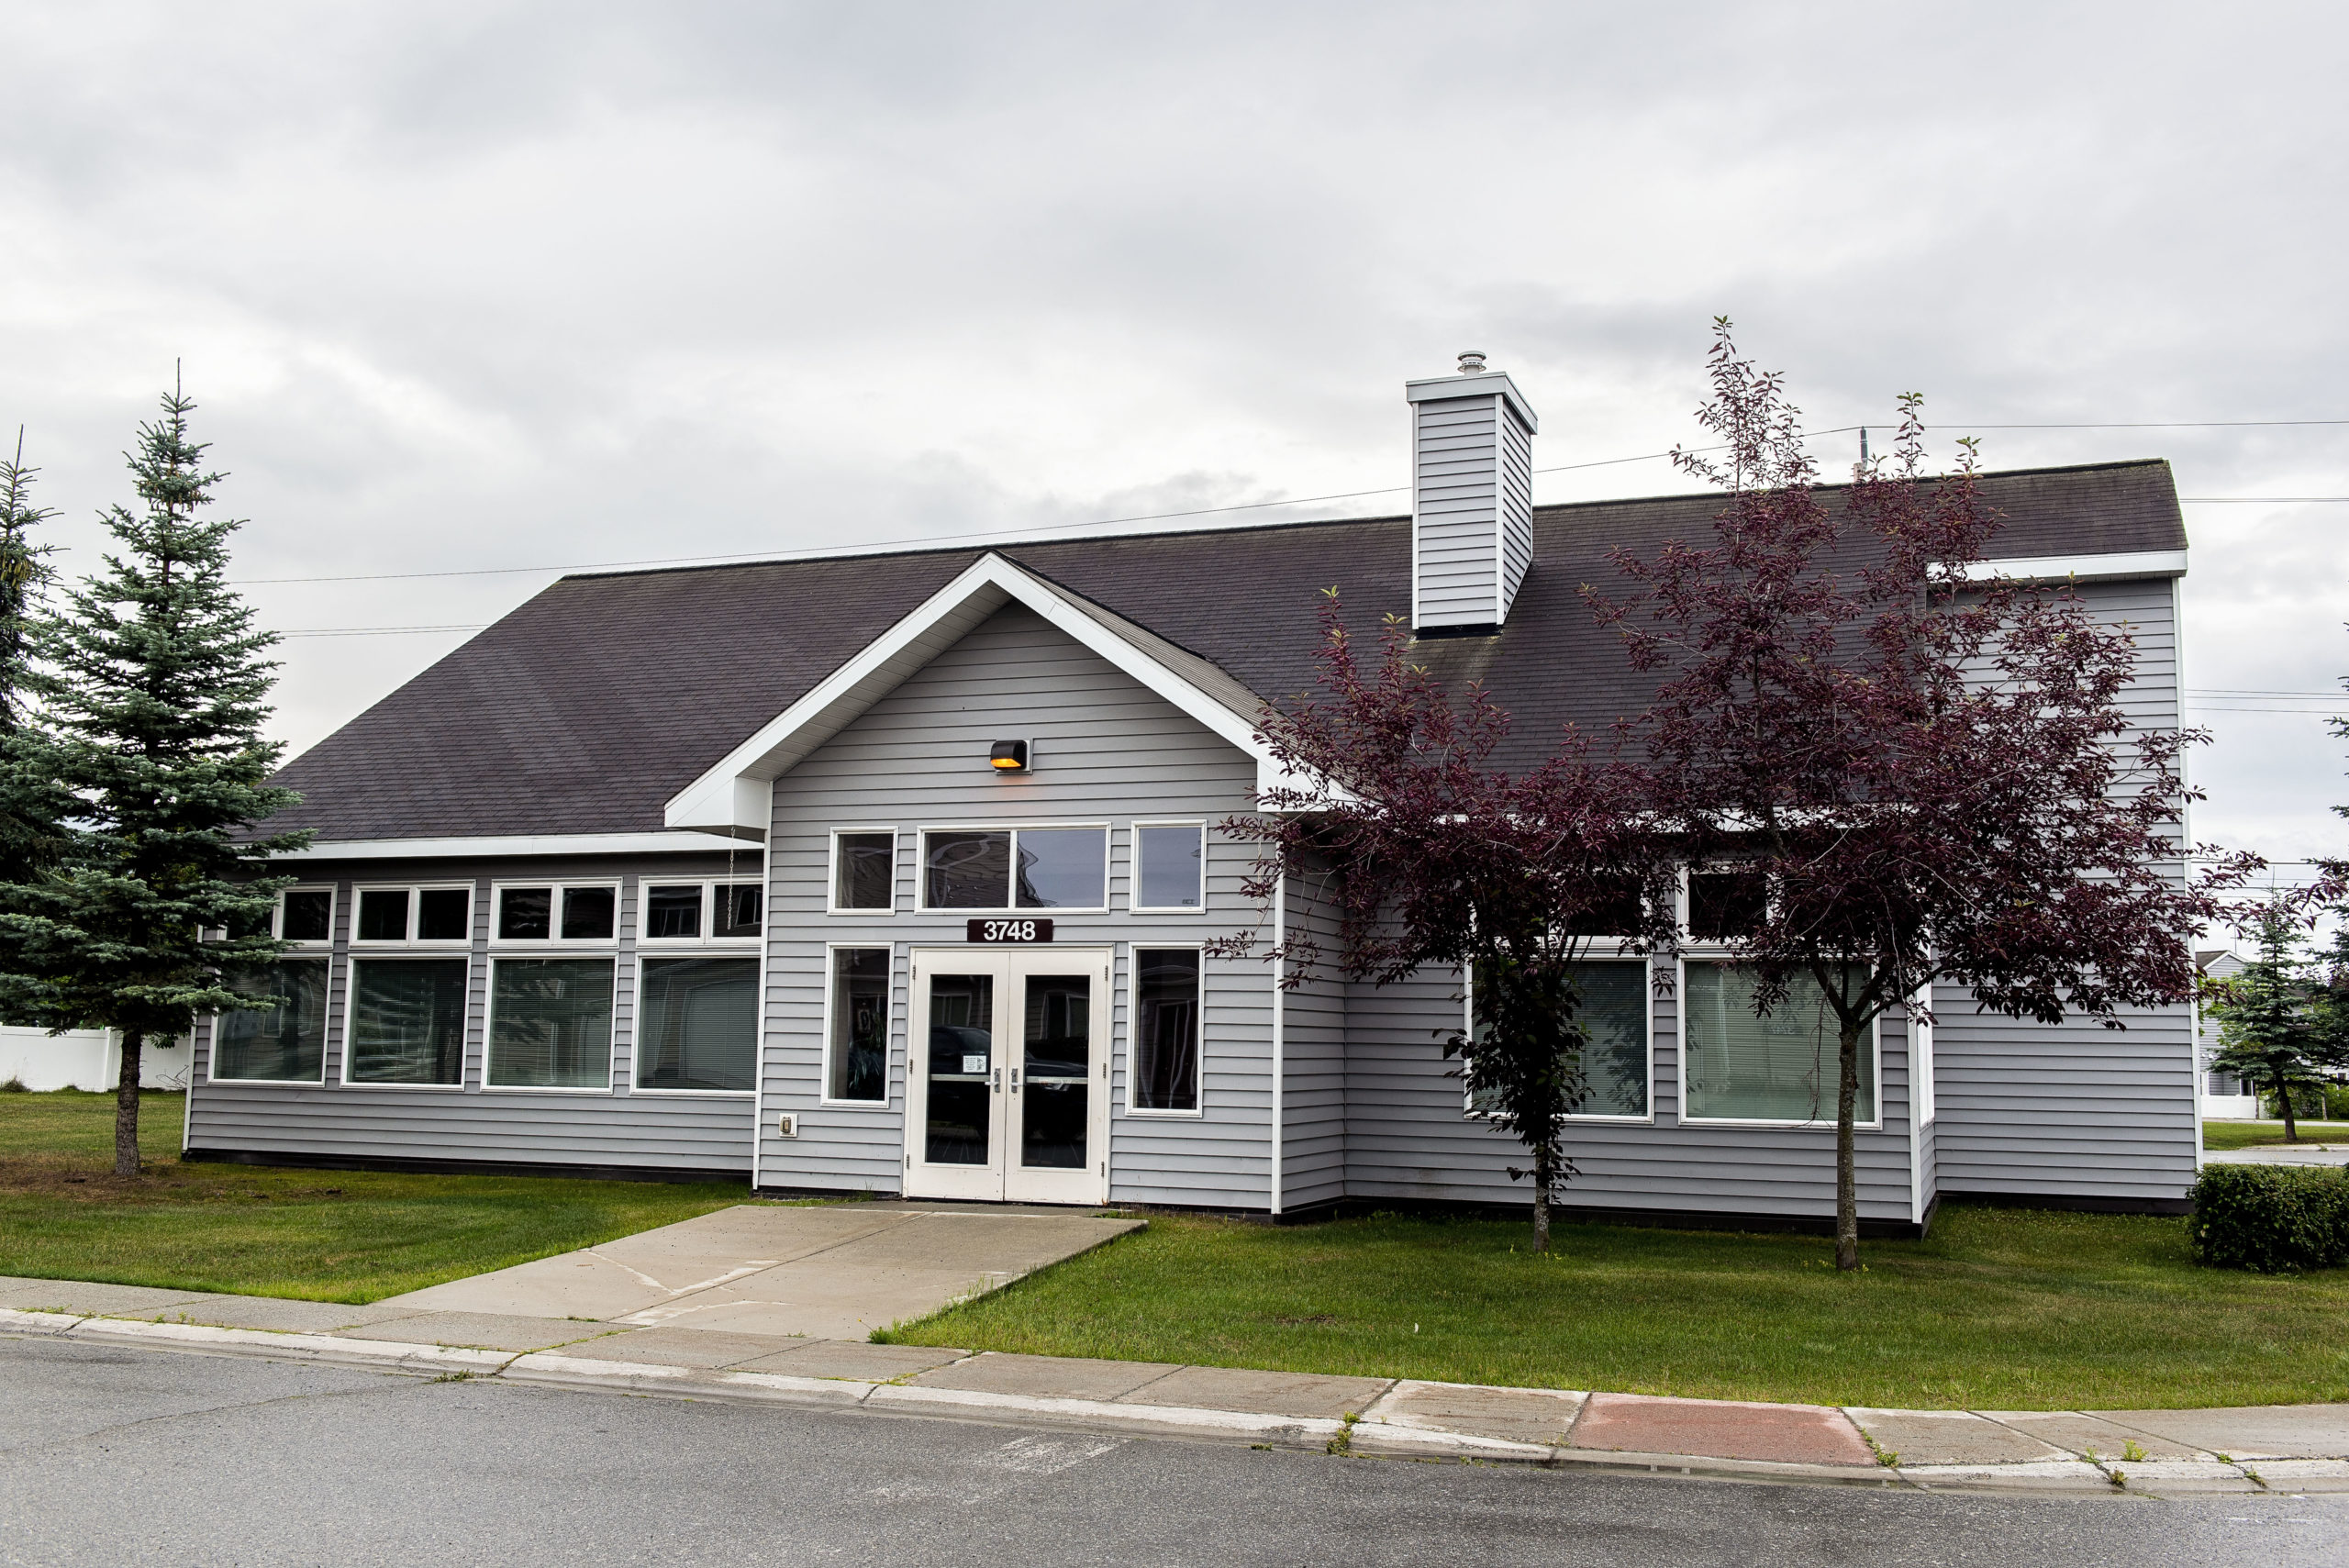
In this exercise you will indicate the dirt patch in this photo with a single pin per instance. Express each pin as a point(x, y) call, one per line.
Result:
point(81, 1180)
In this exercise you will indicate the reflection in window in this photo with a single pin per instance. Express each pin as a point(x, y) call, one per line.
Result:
point(407, 1021)
point(1166, 1029)
point(1778, 1068)
point(1168, 876)
point(309, 915)
point(966, 871)
point(1062, 868)
point(866, 873)
point(588, 913)
point(525, 913)
point(860, 1064)
point(382, 915)
point(1056, 1058)
point(1613, 1014)
point(550, 1023)
point(697, 1023)
point(444, 914)
point(672, 912)
point(286, 1042)
point(735, 909)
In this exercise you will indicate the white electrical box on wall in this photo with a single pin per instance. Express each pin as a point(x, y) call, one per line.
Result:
point(786, 1125)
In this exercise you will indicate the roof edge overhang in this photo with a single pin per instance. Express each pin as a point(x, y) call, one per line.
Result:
point(733, 796)
point(506, 845)
point(2109, 568)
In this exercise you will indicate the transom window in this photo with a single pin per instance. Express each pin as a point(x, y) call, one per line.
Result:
point(1170, 859)
point(414, 915)
point(306, 915)
point(568, 912)
point(1016, 868)
point(864, 870)
point(700, 911)
point(1613, 1012)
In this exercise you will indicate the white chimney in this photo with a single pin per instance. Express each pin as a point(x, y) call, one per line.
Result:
point(1472, 497)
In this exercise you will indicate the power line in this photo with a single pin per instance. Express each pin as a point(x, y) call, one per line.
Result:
point(374, 630)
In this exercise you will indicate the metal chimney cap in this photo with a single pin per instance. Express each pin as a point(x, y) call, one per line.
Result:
point(1471, 361)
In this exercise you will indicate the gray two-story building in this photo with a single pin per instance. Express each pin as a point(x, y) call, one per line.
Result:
point(895, 872)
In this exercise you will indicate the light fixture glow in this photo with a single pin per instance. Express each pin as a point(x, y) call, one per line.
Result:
point(1008, 756)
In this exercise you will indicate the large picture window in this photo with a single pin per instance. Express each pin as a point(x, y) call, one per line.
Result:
point(1739, 1067)
point(1613, 1012)
point(1024, 868)
point(550, 1023)
point(858, 1036)
point(407, 1021)
point(1166, 1029)
point(1169, 864)
point(283, 1043)
point(697, 1023)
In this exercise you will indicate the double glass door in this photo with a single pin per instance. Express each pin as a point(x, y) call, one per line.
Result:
point(1008, 1088)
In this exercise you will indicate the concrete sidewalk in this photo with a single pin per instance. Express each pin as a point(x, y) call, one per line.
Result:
point(2285, 1449)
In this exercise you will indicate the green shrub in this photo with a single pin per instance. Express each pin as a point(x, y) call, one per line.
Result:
point(2271, 1219)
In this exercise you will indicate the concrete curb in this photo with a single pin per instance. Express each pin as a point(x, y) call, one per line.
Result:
point(1367, 1439)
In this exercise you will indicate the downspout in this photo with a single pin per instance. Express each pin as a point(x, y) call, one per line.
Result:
point(767, 947)
point(1280, 1006)
point(2196, 1081)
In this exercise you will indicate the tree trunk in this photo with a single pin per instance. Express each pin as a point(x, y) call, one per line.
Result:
point(1847, 1190)
point(2284, 1100)
point(126, 1106)
point(1541, 1200)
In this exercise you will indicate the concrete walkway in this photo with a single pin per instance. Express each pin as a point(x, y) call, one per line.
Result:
point(2312, 1153)
point(2286, 1450)
point(837, 1272)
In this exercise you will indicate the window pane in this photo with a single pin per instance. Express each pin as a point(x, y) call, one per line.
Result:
point(697, 1023)
point(860, 1067)
point(1613, 1012)
point(588, 913)
point(1723, 903)
point(1617, 915)
point(382, 915)
point(962, 1050)
point(309, 915)
point(287, 1042)
point(1061, 868)
point(867, 873)
point(738, 905)
point(671, 912)
point(550, 1023)
point(1166, 1029)
point(1780, 1068)
point(525, 913)
point(967, 870)
point(407, 1022)
point(1057, 1057)
point(444, 914)
point(1169, 874)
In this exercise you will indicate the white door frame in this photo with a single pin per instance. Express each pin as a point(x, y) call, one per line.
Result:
point(1003, 1179)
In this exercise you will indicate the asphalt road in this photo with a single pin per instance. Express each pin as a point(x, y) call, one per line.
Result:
point(134, 1457)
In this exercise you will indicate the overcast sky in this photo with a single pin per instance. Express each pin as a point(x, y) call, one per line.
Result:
point(471, 285)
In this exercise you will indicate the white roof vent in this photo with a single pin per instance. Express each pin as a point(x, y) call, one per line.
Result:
point(1472, 497)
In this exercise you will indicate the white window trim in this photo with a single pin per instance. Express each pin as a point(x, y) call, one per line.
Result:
point(832, 878)
point(921, 868)
point(1133, 1020)
point(306, 954)
point(669, 951)
point(708, 938)
point(385, 953)
point(522, 946)
point(888, 1046)
point(1647, 974)
point(1133, 873)
point(1876, 1047)
point(334, 908)
point(412, 942)
point(579, 950)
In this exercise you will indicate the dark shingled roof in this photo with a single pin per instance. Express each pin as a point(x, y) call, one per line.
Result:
point(588, 708)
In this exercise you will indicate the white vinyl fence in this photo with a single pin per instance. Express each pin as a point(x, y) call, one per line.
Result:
point(86, 1059)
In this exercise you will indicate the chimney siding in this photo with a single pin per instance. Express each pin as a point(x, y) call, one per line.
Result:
point(1472, 499)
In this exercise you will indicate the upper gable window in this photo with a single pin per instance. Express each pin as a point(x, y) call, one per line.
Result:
point(557, 912)
point(865, 871)
point(1169, 861)
point(1016, 868)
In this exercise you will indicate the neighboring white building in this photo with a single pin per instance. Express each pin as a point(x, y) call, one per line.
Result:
point(2225, 1097)
point(86, 1059)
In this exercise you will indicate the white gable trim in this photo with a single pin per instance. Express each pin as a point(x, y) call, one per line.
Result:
point(732, 798)
point(2082, 568)
point(512, 844)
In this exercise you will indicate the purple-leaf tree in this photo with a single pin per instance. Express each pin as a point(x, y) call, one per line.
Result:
point(1923, 771)
point(1433, 858)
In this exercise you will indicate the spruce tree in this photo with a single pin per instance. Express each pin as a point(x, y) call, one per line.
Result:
point(2276, 1029)
point(30, 802)
point(155, 684)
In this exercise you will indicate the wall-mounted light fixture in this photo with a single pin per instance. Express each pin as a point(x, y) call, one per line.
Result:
point(1008, 756)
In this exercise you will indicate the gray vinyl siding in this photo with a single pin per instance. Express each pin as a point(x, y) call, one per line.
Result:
point(1107, 751)
point(1472, 508)
point(2077, 1111)
point(1313, 1057)
point(621, 1127)
point(1515, 506)
point(1408, 1135)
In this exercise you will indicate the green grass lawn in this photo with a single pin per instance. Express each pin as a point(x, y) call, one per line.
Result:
point(1998, 1309)
point(348, 1235)
point(2249, 1134)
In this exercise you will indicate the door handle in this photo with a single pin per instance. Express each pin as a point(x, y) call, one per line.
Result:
point(994, 1080)
point(1015, 1080)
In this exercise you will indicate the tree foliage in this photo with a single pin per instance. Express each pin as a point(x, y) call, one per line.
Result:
point(1929, 766)
point(153, 684)
point(2283, 1020)
point(1429, 855)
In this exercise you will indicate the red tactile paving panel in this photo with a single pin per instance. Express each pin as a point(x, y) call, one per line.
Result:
point(1721, 1429)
